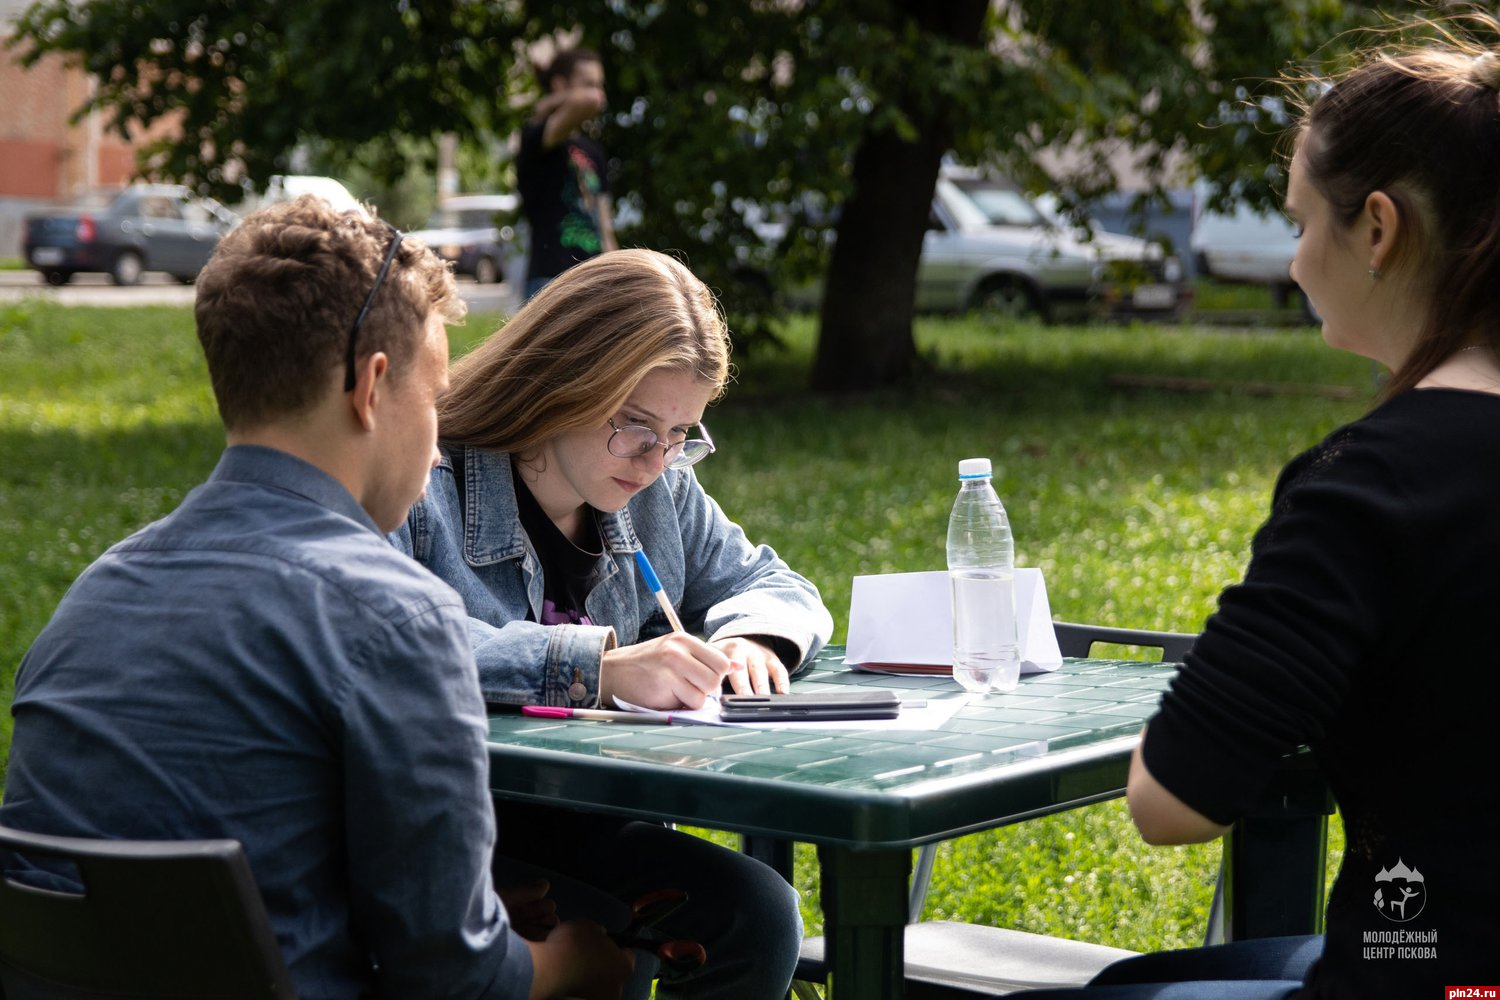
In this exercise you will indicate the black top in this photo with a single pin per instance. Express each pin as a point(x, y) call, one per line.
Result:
point(560, 191)
point(567, 569)
point(1362, 629)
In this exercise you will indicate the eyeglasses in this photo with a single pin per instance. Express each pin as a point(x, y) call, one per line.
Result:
point(390, 255)
point(633, 441)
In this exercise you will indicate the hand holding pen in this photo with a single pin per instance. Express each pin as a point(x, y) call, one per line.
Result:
point(676, 670)
point(754, 667)
point(757, 669)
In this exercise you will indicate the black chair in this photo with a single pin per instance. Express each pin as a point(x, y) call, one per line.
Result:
point(950, 959)
point(1079, 640)
point(152, 920)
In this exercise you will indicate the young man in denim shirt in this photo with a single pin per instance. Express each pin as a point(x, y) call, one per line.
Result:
point(261, 665)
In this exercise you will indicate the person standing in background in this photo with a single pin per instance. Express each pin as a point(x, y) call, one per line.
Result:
point(561, 172)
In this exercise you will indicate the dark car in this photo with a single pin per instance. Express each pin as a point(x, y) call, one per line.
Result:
point(145, 227)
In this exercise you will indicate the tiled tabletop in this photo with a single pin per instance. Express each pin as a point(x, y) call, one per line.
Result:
point(1059, 740)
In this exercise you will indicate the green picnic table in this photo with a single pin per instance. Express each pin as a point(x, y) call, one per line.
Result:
point(864, 796)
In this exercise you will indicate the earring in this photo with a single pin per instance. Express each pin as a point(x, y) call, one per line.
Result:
point(1374, 274)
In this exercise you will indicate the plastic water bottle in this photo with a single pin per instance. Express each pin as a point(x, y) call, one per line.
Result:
point(981, 568)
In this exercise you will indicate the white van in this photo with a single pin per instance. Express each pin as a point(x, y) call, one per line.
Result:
point(1245, 246)
point(285, 187)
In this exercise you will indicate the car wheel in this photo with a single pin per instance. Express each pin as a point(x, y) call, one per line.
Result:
point(128, 268)
point(57, 277)
point(1008, 297)
point(486, 271)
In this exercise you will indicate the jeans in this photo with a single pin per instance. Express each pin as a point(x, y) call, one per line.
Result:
point(1258, 969)
point(744, 914)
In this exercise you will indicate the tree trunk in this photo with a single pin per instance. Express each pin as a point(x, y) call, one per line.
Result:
point(865, 324)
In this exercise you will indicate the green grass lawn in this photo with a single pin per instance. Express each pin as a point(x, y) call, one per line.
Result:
point(1137, 505)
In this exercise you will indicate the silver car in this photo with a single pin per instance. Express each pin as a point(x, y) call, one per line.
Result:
point(989, 248)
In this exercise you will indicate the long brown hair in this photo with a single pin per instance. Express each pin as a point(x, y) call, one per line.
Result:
point(1421, 122)
point(570, 357)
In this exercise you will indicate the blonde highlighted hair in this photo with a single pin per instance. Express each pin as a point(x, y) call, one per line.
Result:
point(570, 357)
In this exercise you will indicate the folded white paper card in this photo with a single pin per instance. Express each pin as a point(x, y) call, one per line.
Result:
point(906, 620)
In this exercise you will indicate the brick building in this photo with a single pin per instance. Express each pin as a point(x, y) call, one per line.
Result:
point(43, 158)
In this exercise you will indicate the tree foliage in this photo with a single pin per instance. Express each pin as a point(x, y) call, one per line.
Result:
point(828, 117)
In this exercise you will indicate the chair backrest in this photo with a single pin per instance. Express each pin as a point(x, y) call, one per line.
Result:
point(152, 920)
point(1078, 640)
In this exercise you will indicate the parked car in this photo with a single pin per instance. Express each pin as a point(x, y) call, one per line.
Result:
point(1166, 219)
point(991, 248)
point(1243, 245)
point(145, 227)
point(476, 232)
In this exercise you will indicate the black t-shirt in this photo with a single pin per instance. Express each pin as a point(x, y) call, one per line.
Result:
point(1364, 629)
point(567, 569)
point(560, 191)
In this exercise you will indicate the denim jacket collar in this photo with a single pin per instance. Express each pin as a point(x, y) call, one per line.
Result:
point(492, 522)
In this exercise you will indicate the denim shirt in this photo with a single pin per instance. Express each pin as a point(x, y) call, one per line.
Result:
point(721, 584)
point(260, 665)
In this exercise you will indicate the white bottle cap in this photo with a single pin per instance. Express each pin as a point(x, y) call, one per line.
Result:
point(974, 468)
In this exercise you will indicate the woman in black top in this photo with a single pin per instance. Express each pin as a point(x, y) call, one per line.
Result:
point(1362, 627)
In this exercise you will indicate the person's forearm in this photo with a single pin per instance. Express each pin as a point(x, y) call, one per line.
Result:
point(574, 107)
point(547, 104)
point(1161, 817)
point(525, 663)
point(578, 960)
point(546, 975)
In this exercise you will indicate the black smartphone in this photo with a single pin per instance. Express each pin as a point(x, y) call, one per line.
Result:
point(822, 706)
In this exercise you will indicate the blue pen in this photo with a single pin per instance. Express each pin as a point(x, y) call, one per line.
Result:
point(649, 575)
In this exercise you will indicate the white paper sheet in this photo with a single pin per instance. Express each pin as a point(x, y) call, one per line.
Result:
point(907, 618)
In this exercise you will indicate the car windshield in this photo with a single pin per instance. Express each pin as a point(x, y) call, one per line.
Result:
point(996, 205)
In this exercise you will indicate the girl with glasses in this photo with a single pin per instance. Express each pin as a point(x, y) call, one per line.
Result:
point(568, 439)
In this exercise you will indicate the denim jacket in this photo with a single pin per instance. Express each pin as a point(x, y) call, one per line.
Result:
point(721, 584)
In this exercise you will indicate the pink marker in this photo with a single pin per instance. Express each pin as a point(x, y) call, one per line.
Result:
point(598, 714)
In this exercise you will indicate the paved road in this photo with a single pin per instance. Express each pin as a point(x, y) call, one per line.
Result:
point(159, 289)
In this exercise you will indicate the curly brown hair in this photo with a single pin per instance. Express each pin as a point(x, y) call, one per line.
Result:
point(277, 301)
